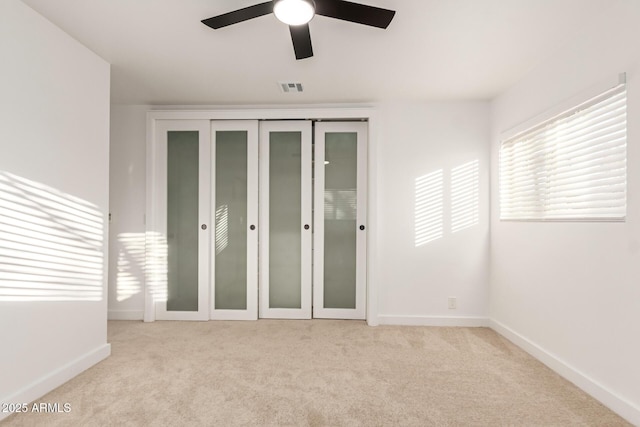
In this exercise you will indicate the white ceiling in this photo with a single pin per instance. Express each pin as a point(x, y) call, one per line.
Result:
point(434, 49)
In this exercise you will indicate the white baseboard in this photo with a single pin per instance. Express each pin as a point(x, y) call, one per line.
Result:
point(56, 378)
point(614, 402)
point(125, 314)
point(386, 319)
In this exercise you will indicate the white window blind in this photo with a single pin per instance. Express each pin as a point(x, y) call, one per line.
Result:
point(571, 167)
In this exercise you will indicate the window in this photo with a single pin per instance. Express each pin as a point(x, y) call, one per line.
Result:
point(570, 167)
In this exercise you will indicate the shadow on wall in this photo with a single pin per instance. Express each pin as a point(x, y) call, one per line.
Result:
point(429, 202)
point(51, 244)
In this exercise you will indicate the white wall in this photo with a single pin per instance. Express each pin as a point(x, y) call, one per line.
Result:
point(569, 292)
point(127, 205)
point(54, 142)
point(416, 139)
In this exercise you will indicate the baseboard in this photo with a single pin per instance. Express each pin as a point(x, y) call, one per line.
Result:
point(56, 378)
point(622, 407)
point(386, 319)
point(125, 314)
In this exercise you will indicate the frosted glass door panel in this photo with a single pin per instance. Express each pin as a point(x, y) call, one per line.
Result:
point(340, 189)
point(234, 215)
point(231, 220)
point(285, 230)
point(285, 221)
point(178, 240)
point(182, 220)
point(340, 196)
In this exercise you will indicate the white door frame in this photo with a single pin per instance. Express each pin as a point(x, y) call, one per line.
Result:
point(304, 127)
point(274, 112)
point(251, 127)
point(159, 249)
point(360, 128)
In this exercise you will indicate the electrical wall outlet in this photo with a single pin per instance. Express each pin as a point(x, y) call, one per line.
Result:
point(453, 304)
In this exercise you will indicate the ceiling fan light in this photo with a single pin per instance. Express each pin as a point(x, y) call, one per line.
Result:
point(294, 12)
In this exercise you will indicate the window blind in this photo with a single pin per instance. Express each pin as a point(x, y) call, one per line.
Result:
point(570, 167)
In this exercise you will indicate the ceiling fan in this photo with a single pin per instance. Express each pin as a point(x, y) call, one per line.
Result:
point(298, 13)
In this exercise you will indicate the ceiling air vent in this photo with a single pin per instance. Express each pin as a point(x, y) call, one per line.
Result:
point(290, 87)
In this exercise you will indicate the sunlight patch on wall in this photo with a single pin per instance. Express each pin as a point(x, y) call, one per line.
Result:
point(157, 265)
point(130, 265)
point(465, 196)
point(429, 207)
point(51, 244)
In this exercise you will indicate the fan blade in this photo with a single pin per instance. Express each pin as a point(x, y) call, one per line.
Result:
point(239, 15)
point(301, 41)
point(355, 12)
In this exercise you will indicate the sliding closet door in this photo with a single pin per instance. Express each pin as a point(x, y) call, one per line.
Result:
point(285, 219)
point(181, 290)
point(340, 235)
point(234, 216)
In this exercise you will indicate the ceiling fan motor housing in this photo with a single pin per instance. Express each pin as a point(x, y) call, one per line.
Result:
point(294, 12)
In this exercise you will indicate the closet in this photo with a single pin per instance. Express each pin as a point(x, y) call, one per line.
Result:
point(257, 219)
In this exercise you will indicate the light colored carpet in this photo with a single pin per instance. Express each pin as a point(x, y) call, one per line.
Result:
point(317, 373)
